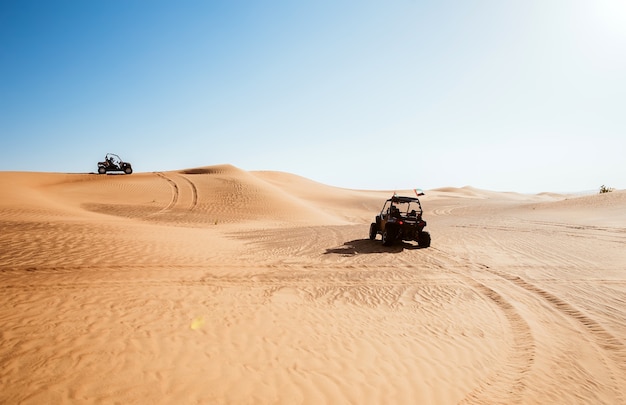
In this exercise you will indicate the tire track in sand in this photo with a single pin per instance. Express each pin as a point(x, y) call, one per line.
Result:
point(609, 348)
point(177, 193)
point(505, 383)
point(604, 338)
point(194, 192)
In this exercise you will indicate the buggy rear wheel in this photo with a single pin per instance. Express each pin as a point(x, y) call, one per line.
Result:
point(424, 239)
point(128, 170)
point(101, 170)
point(388, 237)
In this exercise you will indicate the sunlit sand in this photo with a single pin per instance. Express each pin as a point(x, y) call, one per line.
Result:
point(217, 285)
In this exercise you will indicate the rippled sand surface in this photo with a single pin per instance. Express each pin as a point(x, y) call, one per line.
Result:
point(216, 285)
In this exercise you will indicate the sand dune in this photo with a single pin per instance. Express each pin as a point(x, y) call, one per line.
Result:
point(217, 285)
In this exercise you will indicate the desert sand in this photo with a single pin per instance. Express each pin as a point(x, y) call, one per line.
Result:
point(218, 285)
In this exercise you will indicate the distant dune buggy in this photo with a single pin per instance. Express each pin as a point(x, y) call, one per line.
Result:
point(401, 219)
point(113, 163)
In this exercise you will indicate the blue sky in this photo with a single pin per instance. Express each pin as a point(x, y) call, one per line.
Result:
point(524, 96)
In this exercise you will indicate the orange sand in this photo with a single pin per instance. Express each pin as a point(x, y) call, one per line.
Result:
point(216, 285)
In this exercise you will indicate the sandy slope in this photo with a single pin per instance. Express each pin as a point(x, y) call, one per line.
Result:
point(216, 285)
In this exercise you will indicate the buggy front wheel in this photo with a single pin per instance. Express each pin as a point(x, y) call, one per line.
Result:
point(373, 231)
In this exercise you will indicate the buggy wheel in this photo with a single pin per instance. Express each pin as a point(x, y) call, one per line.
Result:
point(101, 170)
point(128, 170)
point(424, 239)
point(373, 231)
point(388, 237)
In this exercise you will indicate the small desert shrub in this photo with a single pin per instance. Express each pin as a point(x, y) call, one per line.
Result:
point(605, 189)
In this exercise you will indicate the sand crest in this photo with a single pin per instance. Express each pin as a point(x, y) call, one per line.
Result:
point(217, 285)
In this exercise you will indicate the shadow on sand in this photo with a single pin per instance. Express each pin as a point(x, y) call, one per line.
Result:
point(361, 246)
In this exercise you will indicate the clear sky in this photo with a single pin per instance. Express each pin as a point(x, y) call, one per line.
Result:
point(520, 95)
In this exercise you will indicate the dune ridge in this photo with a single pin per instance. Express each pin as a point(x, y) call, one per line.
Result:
point(218, 285)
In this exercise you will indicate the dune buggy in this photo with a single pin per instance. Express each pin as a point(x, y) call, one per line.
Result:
point(113, 163)
point(401, 219)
